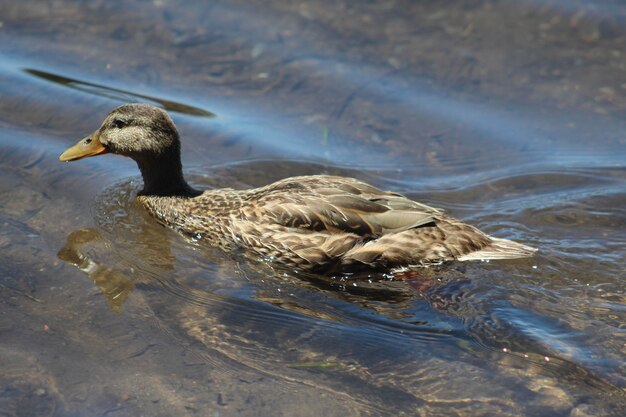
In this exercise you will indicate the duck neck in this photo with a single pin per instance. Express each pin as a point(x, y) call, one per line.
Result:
point(163, 176)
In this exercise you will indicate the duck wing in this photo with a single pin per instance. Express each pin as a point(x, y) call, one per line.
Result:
point(337, 205)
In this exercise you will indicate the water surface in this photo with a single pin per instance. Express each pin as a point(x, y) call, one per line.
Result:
point(509, 115)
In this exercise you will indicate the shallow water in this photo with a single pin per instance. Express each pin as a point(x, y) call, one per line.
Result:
point(509, 115)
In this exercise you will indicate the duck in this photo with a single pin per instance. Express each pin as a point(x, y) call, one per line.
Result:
point(316, 223)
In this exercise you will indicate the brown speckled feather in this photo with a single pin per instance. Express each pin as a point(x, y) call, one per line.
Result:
point(323, 222)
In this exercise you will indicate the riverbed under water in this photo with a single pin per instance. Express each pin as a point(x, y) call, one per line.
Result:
point(510, 115)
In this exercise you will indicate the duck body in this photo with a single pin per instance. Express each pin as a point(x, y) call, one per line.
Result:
point(318, 223)
point(324, 223)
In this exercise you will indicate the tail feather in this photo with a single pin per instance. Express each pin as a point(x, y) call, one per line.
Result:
point(500, 249)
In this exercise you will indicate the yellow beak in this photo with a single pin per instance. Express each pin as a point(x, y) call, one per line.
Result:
point(89, 146)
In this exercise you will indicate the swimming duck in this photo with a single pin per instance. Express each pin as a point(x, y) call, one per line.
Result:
point(316, 223)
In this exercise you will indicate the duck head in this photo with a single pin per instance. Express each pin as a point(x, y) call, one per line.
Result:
point(138, 131)
point(147, 135)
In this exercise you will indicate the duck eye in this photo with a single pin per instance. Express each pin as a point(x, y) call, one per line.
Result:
point(119, 123)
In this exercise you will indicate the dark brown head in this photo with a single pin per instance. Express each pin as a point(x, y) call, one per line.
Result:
point(145, 134)
point(139, 131)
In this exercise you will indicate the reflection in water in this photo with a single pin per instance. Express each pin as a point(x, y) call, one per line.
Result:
point(114, 285)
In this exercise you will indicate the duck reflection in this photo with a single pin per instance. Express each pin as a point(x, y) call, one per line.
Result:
point(114, 285)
